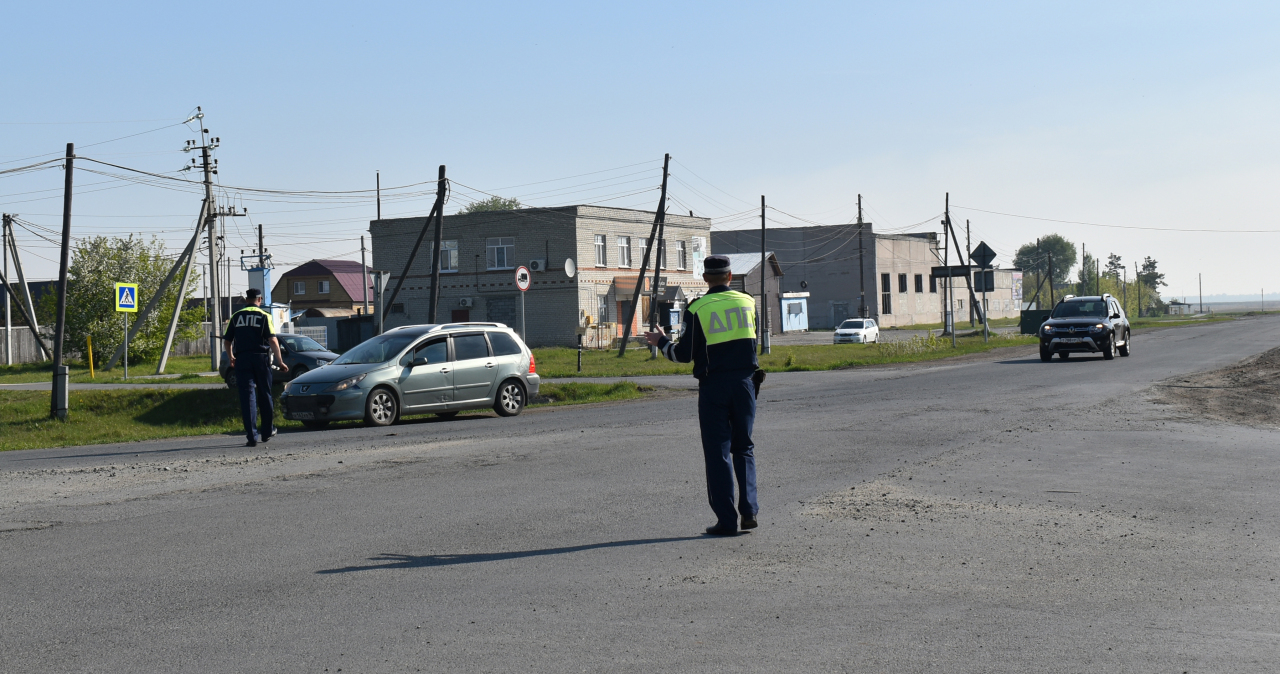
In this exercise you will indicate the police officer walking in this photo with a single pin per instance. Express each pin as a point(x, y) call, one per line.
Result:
point(720, 339)
point(250, 340)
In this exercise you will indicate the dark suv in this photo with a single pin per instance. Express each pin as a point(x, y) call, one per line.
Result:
point(1090, 324)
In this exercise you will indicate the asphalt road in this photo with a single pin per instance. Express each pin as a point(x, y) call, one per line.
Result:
point(992, 515)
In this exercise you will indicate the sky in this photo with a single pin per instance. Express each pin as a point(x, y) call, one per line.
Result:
point(1037, 118)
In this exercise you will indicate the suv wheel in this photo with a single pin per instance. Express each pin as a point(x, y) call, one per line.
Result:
point(1109, 352)
point(1124, 350)
point(380, 408)
point(510, 399)
point(1046, 355)
point(1064, 354)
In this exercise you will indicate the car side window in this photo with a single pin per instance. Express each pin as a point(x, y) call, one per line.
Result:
point(434, 352)
point(503, 344)
point(468, 347)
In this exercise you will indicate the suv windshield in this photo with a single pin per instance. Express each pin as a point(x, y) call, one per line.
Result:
point(300, 343)
point(851, 325)
point(1094, 309)
point(380, 349)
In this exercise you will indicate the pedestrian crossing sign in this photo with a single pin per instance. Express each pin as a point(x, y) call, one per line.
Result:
point(127, 297)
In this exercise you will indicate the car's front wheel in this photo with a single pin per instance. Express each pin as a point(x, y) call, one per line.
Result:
point(1046, 354)
point(1124, 350)
point(380, 408)
point(1064, 354)
point(1109, 351)
point(297, 371)
point(510, 399)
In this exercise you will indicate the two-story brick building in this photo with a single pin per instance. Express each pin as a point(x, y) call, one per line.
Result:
point(321, 284)
point(480, 252)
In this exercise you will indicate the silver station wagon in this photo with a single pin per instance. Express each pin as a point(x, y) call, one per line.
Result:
point(418, 369)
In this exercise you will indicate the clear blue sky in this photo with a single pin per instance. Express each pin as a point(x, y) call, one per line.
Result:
point(1152, 114)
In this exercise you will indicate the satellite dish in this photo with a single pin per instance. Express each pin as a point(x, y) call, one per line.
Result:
point(570, 268)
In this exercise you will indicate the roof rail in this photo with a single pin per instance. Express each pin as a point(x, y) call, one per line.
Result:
point(449, 326)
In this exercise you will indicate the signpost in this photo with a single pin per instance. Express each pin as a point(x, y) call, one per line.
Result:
point(126, 303)
point(982, 255)
point(523, 281)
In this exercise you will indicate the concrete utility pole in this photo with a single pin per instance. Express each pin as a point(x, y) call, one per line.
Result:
point(659, 219)
point(29, 311)
point(658, 264)
point(1199, 283)
point(384, 302)
point(8, 320)
point(364, 276)
point(435, 249)
point(968, 253)
point(215, 289)
point(58, 401)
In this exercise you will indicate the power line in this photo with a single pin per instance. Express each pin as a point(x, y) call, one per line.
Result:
point(1152, 229)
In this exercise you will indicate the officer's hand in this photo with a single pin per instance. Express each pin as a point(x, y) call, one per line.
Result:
point(231, 361)
point(281, 367)
point(654, 337)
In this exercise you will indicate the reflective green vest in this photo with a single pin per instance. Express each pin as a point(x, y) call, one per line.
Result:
point(726, 316)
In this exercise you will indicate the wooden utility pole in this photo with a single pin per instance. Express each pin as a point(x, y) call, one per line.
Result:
point(58, 401)
point(435, 248)
point(967, 258)
point(659, 260)
point(764, 296)
point(364, 277)
point(378, 183)
point(659, 219)
point(862, 276)
point(385, 303)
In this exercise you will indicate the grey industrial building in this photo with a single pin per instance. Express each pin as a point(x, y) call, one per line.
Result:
point(480, 252)
point(848, 269)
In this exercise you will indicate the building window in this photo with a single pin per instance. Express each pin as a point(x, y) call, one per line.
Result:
point(933, 284)
point(602, 308)
point(959, 305)
point(884, 284)
point(886, 302)
point(682, 256)
point(449, 256)
point(498, 252)
point(919, 283)
point(902, 283)
point(397, 308)
point(641, 245)
point(624, 251)
point(662, 254)
point(324, 287)
point(602, 255)
point(299, 287)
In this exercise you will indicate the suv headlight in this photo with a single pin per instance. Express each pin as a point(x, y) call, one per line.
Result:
point(347, 383)
point(1098, 328)
point(1048, 329)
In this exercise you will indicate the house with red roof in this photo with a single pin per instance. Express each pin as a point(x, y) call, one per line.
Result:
point(323, 284)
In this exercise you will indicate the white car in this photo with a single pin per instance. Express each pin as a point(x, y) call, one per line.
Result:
point(857, 331)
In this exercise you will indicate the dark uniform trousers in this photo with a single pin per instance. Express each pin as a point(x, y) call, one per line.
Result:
point(726, 415)
point(253, 378)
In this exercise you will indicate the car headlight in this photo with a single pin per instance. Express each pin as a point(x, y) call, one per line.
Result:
point(347, 383)
point(1048, 329)
point(320, 362)
point(1098, 328)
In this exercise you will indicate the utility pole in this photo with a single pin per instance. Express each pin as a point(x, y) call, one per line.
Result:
point(435, 249)
point(215, 290)
point(380, 297)
point(378, 178)
point(968, 278)
point(968, 253)
point(1137, 278)
point(658, 261)
point(8, 320)
point(58, 401)
point(764, 296)
point(948, 327)
point(1124, 289)
point(862, 276)
point(28, 312)
point(659, 219)
point(1052, 301)
point(1199, 282)
point(364, 276)
point(951, 283)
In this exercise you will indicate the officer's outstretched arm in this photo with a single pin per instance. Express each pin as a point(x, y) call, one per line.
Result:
point(682, 351)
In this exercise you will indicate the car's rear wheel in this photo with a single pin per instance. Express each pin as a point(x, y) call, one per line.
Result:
point(510, 399)
point(380, 408)
point(1109, 353)
point(1064, 354)
point(1124, 350)
point(316, 425)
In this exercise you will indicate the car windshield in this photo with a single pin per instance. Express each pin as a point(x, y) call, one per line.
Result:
point(1094, 309)
point(851, 325)
point(380, 349)
point(300, 343)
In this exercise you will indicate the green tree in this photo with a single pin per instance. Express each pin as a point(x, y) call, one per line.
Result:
point(494, 203)
point(97, 264)
point(1150, 280)
point(1086, 277)
point(1034, 257)
point(1114, 268)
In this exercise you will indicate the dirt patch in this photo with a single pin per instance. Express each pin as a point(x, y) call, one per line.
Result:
point(1245, 393)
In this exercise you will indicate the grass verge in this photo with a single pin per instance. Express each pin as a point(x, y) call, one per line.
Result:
point(187, 366)
point(559, 362)
point(99, 417)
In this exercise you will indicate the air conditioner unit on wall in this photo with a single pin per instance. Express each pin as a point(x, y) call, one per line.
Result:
point(537, 265)
point(466, 302)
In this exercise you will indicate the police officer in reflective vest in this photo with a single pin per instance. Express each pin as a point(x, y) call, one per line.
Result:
point(720, 339)
point(250, 340)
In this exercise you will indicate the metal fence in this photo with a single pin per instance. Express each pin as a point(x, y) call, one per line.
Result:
point(319, 333)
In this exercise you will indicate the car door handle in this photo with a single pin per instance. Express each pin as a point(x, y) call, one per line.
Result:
point(489, 365)
point(444, 370)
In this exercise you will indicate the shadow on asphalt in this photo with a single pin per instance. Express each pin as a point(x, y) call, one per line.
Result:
point(394, 561)
point(1035, 360)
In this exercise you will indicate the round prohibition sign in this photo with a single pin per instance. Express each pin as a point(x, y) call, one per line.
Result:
point(523, 279)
